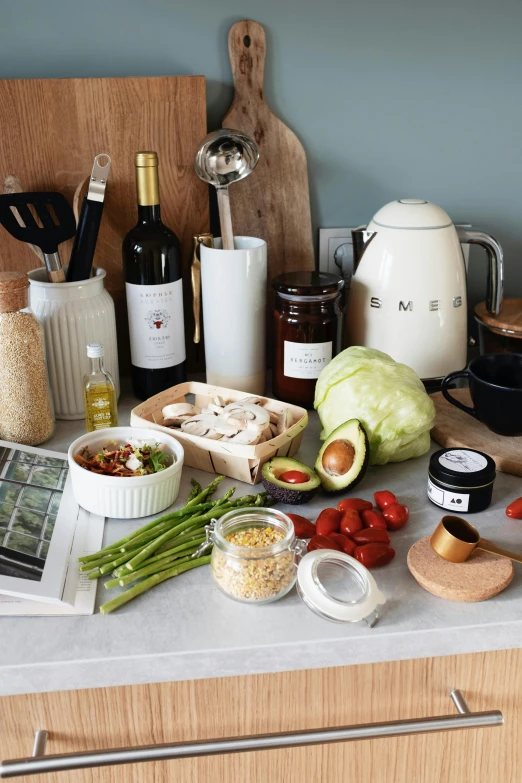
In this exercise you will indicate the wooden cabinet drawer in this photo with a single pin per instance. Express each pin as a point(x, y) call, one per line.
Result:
point(225, 707)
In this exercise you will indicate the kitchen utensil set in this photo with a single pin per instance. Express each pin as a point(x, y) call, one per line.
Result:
point(46, 219)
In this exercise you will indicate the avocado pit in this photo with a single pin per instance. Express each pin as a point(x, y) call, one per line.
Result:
point(338, 457)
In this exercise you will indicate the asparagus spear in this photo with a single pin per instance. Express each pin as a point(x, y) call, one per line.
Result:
point(152, 581)
point(195, 501)
point(155, 568)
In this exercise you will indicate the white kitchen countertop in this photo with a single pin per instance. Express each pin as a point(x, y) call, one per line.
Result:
point(186, 629)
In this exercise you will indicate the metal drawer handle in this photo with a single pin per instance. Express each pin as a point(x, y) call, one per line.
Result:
point(39, 763)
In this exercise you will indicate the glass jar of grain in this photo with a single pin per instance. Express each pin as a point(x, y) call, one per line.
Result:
point(26, 411)
point(253, 555)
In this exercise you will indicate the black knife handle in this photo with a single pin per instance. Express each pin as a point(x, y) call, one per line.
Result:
point(82, 255)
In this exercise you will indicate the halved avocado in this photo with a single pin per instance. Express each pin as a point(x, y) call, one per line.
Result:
point(343, 459)
point(283, 491)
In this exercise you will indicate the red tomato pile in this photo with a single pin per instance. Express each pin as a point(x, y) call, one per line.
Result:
point(356, 527)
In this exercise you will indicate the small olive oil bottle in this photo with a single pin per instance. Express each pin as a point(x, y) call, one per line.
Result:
point(99, 393)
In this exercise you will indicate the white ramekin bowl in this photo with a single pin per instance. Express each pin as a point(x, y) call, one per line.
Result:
point(128, 497)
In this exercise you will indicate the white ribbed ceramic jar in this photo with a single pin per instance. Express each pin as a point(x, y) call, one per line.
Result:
point(73, 315)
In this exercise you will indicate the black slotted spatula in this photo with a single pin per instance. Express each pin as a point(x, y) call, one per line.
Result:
point(44, 219)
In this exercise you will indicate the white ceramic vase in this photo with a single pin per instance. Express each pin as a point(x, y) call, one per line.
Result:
point(233, 284)
point(73, 315)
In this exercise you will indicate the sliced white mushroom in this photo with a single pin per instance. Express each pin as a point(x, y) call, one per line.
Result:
point(214, 435)
point(285, 421)
point(213, 408)
point(238, 411)
point(267, 433)
point(274, 417)
point(219, 401)
point(245, 438)
point(176, 421)
point(208, 411)
point(235, 422)
point(195, 427)
point(252, 401)
point(273, 428)
point(176, 409)
point(257, 417)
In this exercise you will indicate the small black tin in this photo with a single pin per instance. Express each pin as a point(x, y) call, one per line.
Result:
point(461, 480)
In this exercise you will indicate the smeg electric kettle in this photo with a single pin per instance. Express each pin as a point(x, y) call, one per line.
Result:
point(408, 290)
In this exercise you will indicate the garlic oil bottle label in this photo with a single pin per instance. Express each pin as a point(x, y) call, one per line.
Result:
point(156, 325)
point(306, 360)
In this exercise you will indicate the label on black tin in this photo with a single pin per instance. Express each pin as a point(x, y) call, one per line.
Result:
point(451, 501)
point(463, 461)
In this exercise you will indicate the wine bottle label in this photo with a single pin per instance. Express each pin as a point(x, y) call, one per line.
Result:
point(306, 360)
point(156, 325)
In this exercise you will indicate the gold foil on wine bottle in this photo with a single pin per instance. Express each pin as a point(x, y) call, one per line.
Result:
point(147, 184)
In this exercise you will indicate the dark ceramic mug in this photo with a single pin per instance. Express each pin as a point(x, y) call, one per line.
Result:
point(495, 385)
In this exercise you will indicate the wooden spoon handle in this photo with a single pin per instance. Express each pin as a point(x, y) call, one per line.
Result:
point(247, 50)
point(488, 546)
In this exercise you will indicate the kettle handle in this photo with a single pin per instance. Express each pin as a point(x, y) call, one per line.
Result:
point(495, 289)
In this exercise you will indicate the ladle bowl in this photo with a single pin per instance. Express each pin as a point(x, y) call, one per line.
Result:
point(226, 156)
point(455, 539)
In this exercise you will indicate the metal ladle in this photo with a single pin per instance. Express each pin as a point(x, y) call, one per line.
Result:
point(455, 539)
point(225, 156)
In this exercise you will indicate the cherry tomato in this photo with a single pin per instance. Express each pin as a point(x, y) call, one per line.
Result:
point(396, 516)
point(371, 535)
point(294, 477)
point(328, 522)
point(514, 510)
point(350, 522)
point(322, 542)
point(346, 544)
point(384, 499)
point(303, 528)
point(356, 503)
point(374, 555)
point(373, 518)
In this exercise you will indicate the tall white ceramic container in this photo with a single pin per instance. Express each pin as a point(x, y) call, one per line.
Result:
point(233, 284)
point(73, 315)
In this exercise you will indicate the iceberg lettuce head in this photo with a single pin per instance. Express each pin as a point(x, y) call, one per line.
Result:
point(388, 398)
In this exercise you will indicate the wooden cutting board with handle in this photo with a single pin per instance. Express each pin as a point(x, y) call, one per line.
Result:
point(53, 128)
point(453, 427)
point(273, 202)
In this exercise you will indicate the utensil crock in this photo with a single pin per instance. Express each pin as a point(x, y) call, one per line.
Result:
point(73, 315)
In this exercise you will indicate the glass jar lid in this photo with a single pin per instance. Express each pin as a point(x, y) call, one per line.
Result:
point(308, 285)
point(338, 587)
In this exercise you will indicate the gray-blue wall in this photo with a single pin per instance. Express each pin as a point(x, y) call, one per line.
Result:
point(391, 98)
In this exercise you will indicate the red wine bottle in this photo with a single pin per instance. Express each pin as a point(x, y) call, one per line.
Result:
point(152, 269)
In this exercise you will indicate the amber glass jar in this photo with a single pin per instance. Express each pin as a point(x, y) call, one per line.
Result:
point(307, 332)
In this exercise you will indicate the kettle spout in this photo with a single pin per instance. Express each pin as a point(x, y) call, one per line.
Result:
point(360, 240)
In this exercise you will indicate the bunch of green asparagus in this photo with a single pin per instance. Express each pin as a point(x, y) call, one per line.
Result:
point(164, 547)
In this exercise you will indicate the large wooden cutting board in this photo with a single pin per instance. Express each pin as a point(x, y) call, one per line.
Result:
point(51, 129)
point(453, 427)
point(273, 202)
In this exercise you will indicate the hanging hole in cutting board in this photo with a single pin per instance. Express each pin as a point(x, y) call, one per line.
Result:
point(247, 41)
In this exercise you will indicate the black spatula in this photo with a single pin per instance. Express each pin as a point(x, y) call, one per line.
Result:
point(48, 220)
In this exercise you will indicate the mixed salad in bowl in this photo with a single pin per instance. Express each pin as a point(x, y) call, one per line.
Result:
point(135, 458)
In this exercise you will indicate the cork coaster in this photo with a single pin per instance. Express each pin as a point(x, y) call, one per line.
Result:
point(479, 578)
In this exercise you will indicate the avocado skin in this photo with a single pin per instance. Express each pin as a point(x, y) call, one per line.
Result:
point(291, 496)
point(288, 493)
point(336, 435)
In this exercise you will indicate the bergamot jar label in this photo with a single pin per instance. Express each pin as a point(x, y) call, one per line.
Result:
point(306, 360)
point(156, 325)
